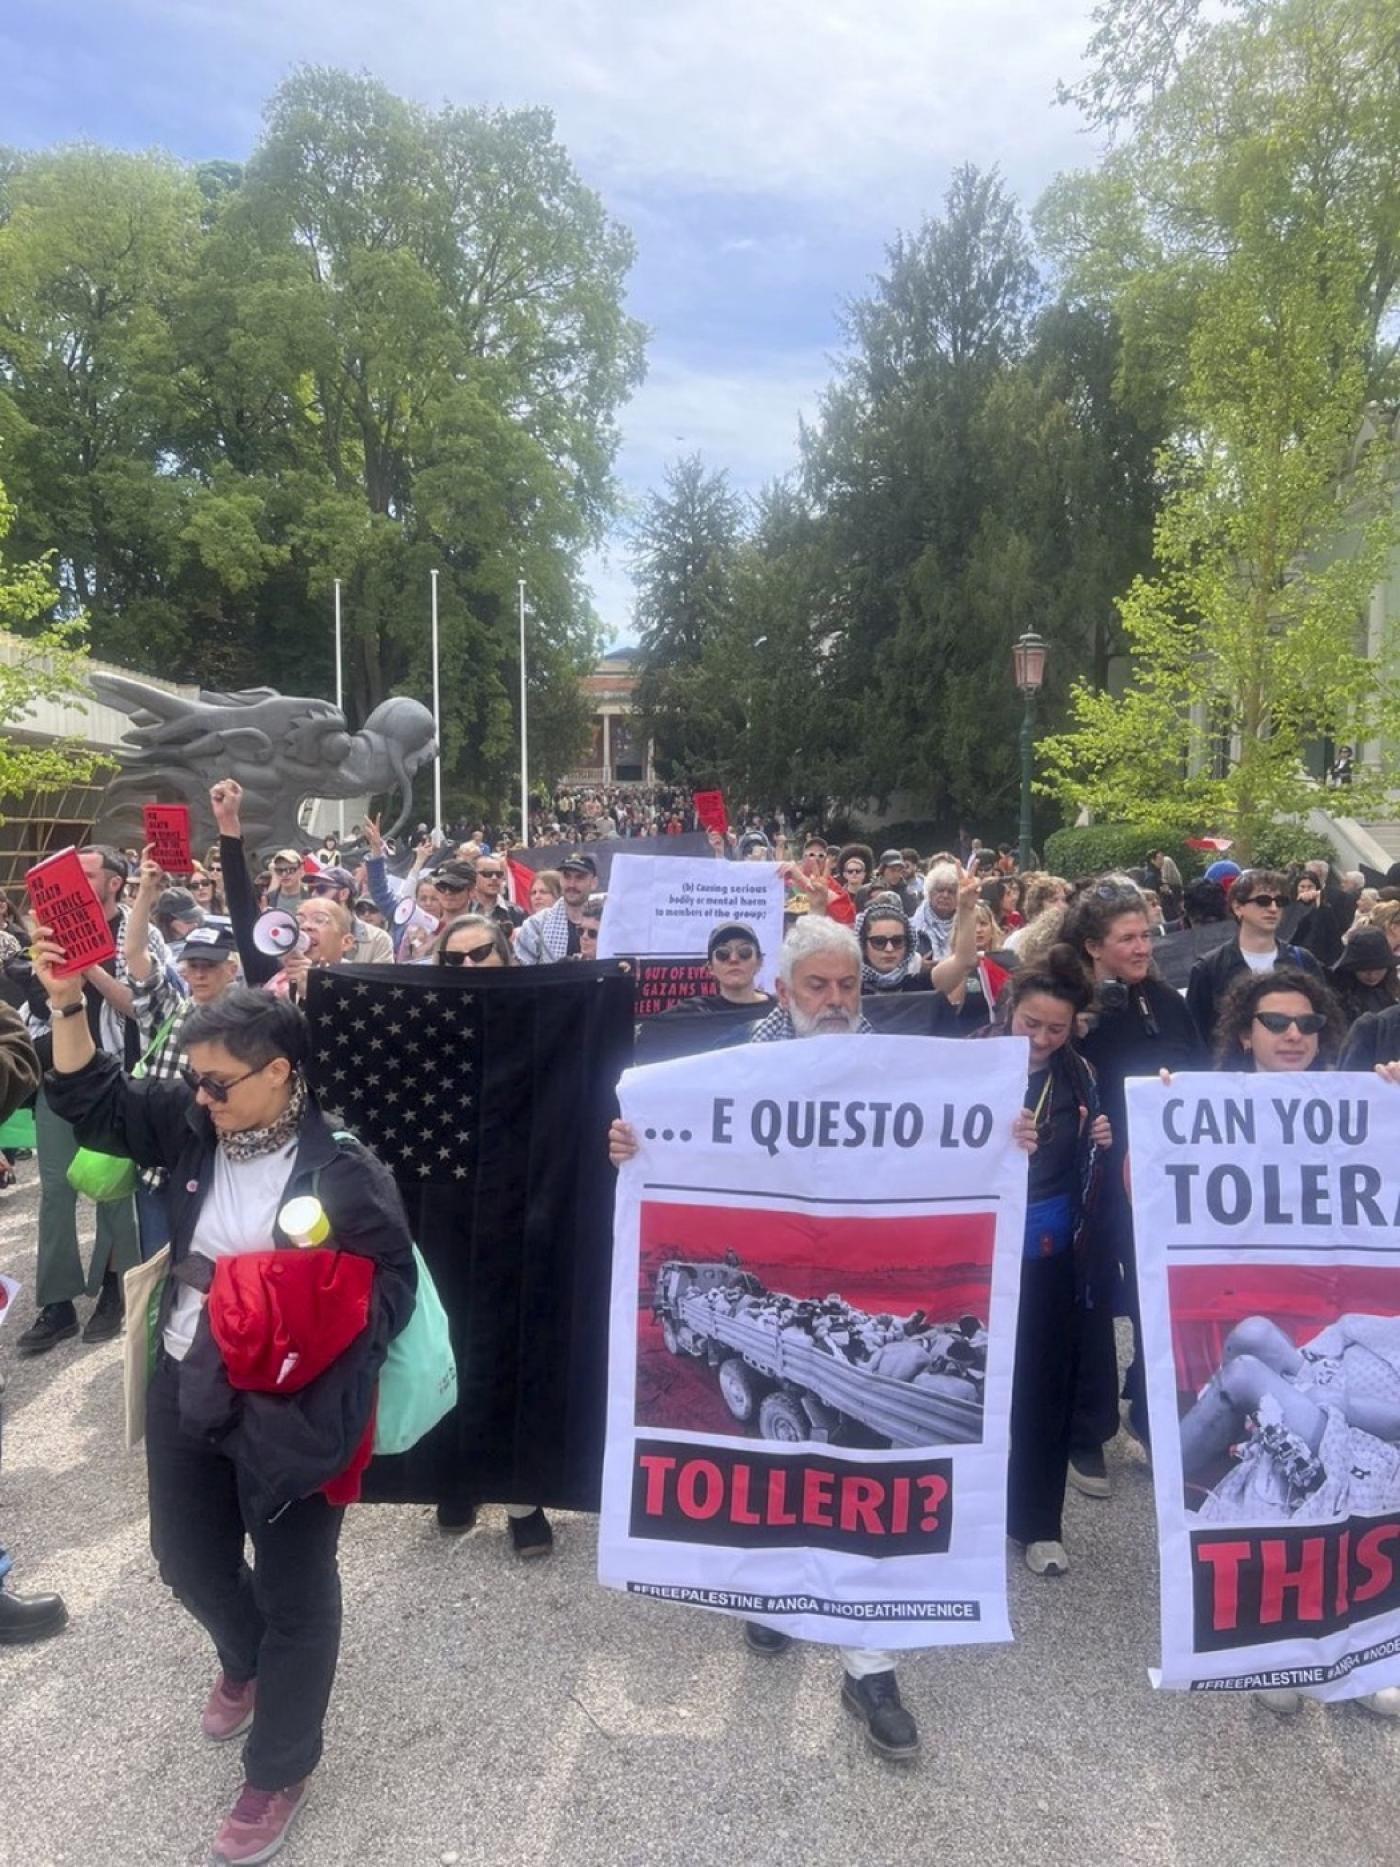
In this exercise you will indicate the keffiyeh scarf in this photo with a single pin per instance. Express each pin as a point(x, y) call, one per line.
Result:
point(887, 909)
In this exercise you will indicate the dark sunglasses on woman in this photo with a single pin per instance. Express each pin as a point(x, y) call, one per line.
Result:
point(724, 954)
point(1309, 1024)
point(887, 943)
point(474, 955)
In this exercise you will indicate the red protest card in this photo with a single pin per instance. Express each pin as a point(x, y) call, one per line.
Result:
point(63, 902)
point(167, 830)
point(709, 808)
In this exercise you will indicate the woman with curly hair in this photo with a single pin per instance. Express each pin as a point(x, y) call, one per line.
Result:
point(1286, 1019)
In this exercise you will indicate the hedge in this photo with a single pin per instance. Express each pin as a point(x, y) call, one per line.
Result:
point(1099, 846)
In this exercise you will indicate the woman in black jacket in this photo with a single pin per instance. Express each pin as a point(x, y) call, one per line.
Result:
point(1042, 1004)
point(1137, 1026)
point(238, 1142)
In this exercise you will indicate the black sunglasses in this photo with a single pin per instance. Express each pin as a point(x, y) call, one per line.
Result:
point(460, 956)
point(453, 888)
point(1265, 901)
point(887, 943)
point(216, 1090)
point(1309, 1024)
point(726, 953)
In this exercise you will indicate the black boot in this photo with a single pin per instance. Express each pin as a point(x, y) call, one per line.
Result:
point(33, 1617)
point(456, 1518)
point(106, 1319)
point(890, 1730)
point(765, 1640)
point(532, 1535)
point(54, 1323)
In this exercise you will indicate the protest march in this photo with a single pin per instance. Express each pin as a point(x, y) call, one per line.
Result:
point(532, 1203)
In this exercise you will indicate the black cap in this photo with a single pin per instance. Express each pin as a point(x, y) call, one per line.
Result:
point(892, 858)
point(457, 875)
point(578, 865)
point(731, 930)
point(179, 904)
point(210, 944)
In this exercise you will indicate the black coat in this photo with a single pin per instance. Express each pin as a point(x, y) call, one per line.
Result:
point(1373, 1039)
point(1212, 977)
point(287, 1445)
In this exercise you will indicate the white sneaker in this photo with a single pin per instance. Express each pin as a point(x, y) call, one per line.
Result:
point(1385, 1703)
point(1047, 1559)
point(1282, 1701)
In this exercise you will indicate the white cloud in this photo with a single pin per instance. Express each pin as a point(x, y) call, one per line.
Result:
point(831, 102)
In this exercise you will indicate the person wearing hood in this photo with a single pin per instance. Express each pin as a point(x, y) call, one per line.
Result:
point(1364, 978)
point(889, 951)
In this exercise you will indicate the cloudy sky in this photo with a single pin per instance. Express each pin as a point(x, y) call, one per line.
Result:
point(762, 151)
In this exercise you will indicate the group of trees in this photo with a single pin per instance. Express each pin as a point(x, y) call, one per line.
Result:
point(393, 341)
point(1149, 433)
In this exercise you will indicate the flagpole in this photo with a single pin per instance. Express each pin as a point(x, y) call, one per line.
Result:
point(339, 701)
point(524, 735)
point(437, 717)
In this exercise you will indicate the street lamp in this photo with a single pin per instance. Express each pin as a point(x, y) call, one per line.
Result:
point(1028, 657)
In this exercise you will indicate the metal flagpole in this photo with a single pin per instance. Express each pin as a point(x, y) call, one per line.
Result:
point(524, 735)
point(437, 718)
point(339, 701)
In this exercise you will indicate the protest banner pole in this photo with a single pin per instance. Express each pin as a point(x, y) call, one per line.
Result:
point(524, 737)
point(339, 700)
point(437, 715)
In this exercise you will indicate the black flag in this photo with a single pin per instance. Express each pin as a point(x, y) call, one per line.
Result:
point(489, 1096)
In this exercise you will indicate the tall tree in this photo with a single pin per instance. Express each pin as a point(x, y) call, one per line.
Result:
point(1246, 234)
point(685, 549)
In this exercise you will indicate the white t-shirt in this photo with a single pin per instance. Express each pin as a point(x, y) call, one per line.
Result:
point(237, 1216)
point(1259, 962)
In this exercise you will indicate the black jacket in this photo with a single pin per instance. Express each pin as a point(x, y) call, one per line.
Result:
point(286, 1446)
point(1373, 1039)
point(1212, 977)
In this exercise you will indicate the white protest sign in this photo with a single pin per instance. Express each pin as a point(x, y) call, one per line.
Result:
point(1267, 1215)
point(667, 905)
point(816, 1273)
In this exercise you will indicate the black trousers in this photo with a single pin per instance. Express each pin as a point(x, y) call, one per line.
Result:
point(277, 1621)
point(1042, 1399)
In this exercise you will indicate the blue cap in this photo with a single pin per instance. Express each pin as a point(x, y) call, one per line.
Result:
point(1223, 871)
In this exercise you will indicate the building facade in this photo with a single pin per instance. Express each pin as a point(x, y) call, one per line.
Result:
point(619, 752)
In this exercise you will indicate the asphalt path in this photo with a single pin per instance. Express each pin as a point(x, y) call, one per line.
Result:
point(508, 1714)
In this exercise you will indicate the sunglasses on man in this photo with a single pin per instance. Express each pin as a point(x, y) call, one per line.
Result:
point(217, 1090)
point(1265, 901)
point(452, 888)
point(286, 868)
point(468, 955)
point(1277, 1022)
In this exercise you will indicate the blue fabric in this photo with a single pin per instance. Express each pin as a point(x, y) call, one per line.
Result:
point(152, 1219)
point(1049, 1227)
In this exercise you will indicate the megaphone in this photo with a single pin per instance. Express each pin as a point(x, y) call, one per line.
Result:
point(408, 917)
point(277, 932)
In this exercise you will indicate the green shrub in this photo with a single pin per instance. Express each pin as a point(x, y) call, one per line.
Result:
point(1283, 844)
point(1099, 846)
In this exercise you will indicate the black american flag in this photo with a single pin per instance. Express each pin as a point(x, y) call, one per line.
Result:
point(489, 1096)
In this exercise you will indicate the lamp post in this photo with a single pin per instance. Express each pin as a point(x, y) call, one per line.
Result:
point(1028, 657)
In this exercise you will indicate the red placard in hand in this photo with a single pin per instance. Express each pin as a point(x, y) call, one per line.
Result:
point(167, 831)
point(63, 901)
point(709, 808)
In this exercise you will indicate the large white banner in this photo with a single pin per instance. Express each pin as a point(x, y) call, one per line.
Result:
point(667, 905)
point(1265, 1210)
point(816, 1273)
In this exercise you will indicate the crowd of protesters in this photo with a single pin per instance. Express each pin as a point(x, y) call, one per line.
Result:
point(186, 1054)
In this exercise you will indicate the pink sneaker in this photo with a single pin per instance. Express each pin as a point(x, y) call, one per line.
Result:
point(229, 1710)
point(257, 1824)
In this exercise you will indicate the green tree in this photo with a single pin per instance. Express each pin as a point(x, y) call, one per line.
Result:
point(685, 549)
point(39, 660)
point(1245, 236)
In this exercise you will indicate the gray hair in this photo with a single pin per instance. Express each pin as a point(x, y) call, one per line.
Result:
point(941, 875)
point(812, 935)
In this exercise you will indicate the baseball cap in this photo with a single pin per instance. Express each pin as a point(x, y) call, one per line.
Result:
point(455, 875)
point(578, 865)
point(1224, 871)
point(179, 904)
point(335, 876)
point(755, 839)
point(289, 855)
point(209, 944)
point(892, 858)
point(731, 930)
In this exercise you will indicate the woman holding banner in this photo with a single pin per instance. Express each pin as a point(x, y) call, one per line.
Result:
point(1138, 1026)
point(1306, 1431)
point(1041, 1004)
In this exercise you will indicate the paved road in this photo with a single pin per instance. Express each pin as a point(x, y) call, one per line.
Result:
point(507, 1716)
